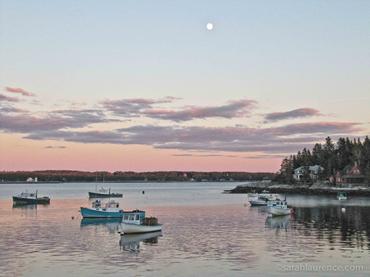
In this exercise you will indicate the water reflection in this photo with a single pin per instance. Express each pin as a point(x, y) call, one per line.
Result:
point(111, 224)
point(350, 226)
point(131, 242)
point(224, 239)
point(278, 222)
point(24, 206)
point(26, 210)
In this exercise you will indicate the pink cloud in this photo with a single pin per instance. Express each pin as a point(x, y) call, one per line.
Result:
point(19, 91)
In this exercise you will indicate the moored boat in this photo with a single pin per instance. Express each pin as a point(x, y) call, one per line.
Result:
point(135, 222)
point(279, 208)
point(131, 242)
point(104, 193)
point(109, 210)
point(26, 198)
point(342, 196)
point(261, 199)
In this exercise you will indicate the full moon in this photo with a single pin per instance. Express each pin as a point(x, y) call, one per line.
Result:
point(209, 26)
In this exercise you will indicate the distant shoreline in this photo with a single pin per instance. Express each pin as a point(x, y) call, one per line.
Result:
point(113, 182)
point(318, 189)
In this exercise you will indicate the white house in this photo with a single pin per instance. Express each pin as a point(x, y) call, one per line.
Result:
point(313, 171)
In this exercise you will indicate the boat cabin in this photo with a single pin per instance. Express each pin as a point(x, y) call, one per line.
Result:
point(277, 203)
point(134, 217)
point(27, 195)
point(342, 196)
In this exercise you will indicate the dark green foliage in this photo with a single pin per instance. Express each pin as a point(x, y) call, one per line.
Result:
point(332, 157)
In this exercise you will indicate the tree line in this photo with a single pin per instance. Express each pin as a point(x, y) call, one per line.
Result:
point(129, 176)
point(333, 157)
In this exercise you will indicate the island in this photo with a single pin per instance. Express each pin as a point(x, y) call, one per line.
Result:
point(326, 169)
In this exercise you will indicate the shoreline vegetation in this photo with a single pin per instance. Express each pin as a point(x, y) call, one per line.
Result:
point(64, 176)
point(326, 169)
point(318, 188)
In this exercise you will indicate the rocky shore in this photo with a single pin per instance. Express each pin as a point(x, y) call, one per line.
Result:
point(318, 188)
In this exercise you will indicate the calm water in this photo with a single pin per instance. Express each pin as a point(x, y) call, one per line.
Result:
point(205, 233)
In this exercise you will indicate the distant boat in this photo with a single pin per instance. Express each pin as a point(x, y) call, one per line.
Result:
point(104, 193)
point(131, 242)
point(110, 210)
point(279, 208)
point(261, 199)
point(135, 222)
point(26, 198)
point(342, 196)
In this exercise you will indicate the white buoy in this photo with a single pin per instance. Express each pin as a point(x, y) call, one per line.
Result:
point(343, 210)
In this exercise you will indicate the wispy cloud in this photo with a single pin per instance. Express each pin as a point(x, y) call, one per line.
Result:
point(19, 91)
point(205, 155)
point(149, 108)
point(4, 98)
point(133, 107)
point(25, 122)
point(297, 113)
point(232, 109)
point(277, 140)
point(55, 147)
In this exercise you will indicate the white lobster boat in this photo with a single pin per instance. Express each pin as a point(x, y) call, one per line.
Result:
point(261, 199)
point(279, 208)
point(135, 222)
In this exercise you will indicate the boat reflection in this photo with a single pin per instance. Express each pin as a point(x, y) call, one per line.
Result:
point(24, 206)
point(278, 222)
point(111, 224)
point(26, 210)
point(131, 242)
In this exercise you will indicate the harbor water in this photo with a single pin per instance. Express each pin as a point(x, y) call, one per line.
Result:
point(205, 233)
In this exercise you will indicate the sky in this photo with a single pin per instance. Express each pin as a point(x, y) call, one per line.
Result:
point(144, 86)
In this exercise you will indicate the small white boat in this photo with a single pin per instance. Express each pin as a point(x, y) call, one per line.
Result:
point(261, 199)
point(135, 222)
point(131, 242)
point(342, 196)
point(279, 208)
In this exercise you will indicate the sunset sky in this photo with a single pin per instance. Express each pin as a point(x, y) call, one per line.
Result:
point(144, 86)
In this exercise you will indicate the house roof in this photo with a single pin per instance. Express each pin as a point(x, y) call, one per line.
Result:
point(311, 168)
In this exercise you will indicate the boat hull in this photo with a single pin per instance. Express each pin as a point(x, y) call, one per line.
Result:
point(91, 213)
point(104, 195)
point(276, 211)
point(128, 228)
point(257, 203)
point(26, 201)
